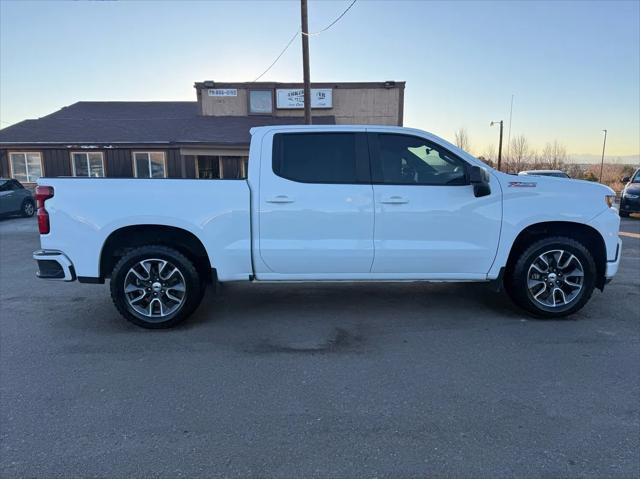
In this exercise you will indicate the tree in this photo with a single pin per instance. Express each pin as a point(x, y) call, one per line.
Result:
point(489, 156)
point(462, 139)
point(520, 153)
point(554, 155)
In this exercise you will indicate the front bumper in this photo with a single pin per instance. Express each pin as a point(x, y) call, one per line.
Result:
point(612, 266)
point(630, 205)
point(54, 265)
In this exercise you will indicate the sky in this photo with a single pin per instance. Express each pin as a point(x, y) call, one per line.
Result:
point(572, 67)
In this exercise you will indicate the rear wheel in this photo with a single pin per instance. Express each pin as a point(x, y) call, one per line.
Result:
point(156, 287)
point(28, 208)
point(553, 277)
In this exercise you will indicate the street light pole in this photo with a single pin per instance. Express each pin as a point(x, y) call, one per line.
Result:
point(305, 62)
point(604, 143)
point(500, 144)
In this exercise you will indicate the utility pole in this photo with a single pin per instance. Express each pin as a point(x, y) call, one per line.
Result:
point(604, 143)
point(305, 62)
point(500, 144)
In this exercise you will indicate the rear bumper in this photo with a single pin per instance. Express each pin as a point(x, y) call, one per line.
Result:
point(612, 266)
point(54, 265)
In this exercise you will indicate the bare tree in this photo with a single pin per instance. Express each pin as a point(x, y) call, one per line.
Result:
point(489, 156)
point(554, 155)
point(462, 139)
point(520, 153)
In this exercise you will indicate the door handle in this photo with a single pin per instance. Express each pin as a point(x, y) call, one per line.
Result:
point(394, 200)
point(280, 199)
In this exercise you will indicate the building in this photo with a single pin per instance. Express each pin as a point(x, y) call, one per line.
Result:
point(208, 138)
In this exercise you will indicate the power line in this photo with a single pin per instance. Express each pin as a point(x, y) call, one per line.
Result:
point(278, 57)
point(311, 34)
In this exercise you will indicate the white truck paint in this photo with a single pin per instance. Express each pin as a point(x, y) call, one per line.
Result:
point(269, 228)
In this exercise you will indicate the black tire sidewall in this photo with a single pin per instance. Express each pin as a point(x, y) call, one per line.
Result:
point(192, 280)
point(518, 287)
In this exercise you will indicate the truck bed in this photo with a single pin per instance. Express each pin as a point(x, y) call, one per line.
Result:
point(85, 211)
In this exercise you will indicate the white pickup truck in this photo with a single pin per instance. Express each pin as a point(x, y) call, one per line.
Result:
point(331, 203)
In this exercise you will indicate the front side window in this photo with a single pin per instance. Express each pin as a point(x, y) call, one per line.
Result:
point(410, 160)
point(318, 157)
point(26, 167)
point(149, 164)
point(89, 164)
point(260, 101)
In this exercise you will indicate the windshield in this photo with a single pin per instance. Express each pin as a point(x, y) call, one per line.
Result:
point(636, 177)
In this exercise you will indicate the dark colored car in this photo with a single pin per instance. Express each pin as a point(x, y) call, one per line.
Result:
point(630, 200)
point(15, 199)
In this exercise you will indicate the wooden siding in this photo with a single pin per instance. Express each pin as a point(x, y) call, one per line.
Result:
point(118, 163)
point(174, 169)
point(4, 164)
point(56, 163)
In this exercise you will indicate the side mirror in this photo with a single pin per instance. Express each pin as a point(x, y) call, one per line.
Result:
point(626, 179)
point(479, 178)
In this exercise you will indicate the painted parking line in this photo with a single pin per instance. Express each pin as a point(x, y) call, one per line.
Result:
point(629, 235)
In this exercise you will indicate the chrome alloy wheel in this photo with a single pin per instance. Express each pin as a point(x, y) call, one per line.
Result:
point(555, 278)
point(154, 288)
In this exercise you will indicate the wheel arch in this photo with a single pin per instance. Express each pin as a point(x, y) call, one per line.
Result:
point(126, 238)
point(585, 234)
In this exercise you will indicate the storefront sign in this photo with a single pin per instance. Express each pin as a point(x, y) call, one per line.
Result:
point(291, 98)
point(223, 92)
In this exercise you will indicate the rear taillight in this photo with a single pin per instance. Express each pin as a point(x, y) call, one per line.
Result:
point(43, 193)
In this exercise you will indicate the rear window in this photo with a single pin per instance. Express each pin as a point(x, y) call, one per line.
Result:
point(316, 157)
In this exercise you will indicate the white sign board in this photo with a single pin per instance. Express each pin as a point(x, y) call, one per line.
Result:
point(223, 92)
point(291, 98)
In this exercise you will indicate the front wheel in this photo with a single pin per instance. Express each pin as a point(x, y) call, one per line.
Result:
point(155, 287)
point(553, 277)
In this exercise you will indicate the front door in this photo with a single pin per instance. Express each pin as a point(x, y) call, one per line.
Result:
point(316, 205)
point(428, 222)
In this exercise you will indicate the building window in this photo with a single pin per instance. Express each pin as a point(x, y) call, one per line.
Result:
point(212, 167)
point(149, 164)
point(89, 164)
point(208, 167)
point(26, 167)
point(260, 102)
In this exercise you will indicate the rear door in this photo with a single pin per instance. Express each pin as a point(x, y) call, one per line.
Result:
point(428, 222)
point(316, 204)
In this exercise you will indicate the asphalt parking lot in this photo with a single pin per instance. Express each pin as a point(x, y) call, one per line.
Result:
point(343, 380)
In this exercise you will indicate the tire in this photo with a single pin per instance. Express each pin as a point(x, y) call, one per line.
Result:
point(28, 208)
point(157, 297)
point(535, 290)
point(624, 214)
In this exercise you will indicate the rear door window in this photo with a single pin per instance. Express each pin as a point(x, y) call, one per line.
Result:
point(321, 157)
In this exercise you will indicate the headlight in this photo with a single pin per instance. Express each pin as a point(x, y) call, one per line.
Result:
point(610, 200)
point(630, 196)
